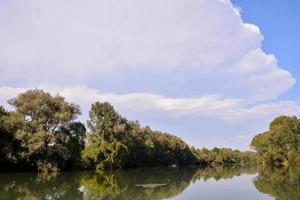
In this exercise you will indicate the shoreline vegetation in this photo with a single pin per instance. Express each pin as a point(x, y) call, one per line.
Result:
point(41, 134)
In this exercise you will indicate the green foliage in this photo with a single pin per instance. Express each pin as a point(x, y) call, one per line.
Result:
point(5, 137)
point(279, 121)
point(105, 155)
point(41, 134)
point(75, 142)
point(280, 145)
point(224, 156)
point(106, 143)
point(42, 131)
point(115, 142)
point(150, 148)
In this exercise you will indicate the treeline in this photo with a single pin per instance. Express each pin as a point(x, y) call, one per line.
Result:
point(115, 142)
point(41, 134)
point(280, 145)
point(223, 156)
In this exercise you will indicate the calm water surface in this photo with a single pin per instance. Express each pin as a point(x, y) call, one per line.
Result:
point(226, 183)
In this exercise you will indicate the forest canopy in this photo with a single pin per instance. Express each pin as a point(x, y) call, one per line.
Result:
point(41, 133)
point(280, 145)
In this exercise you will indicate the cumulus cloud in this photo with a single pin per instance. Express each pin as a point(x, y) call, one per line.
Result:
point(169, 47)
point(261, 73)
point(184, 61)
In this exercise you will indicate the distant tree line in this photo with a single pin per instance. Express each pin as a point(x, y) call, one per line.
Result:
point(41, 134)
point(224, 156)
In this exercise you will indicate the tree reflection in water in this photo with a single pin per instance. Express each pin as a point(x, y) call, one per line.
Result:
point(29, 186)
point(281, 184)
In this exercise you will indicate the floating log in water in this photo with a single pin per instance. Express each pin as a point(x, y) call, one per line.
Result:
point(151, 185)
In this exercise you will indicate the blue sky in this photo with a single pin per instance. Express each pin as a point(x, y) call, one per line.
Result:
point(213, 72)
point(279, 22)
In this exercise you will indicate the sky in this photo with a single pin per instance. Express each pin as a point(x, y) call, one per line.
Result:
point(214, 72)
point(279, 22)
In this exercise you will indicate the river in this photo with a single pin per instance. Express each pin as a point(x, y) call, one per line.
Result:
point(188, 183)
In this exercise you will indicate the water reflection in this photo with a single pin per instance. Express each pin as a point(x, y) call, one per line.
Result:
point(32, 187)
point(122, 185)
point(173, 183)
point(283, 184)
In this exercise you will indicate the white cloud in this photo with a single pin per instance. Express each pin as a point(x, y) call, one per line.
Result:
point(174, 58)
point(198, 45)
point(214, 106)
point(261, 73)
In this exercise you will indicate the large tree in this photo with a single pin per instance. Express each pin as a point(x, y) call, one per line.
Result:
point(280, 145)
point(106, 142)
point(46, 130)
